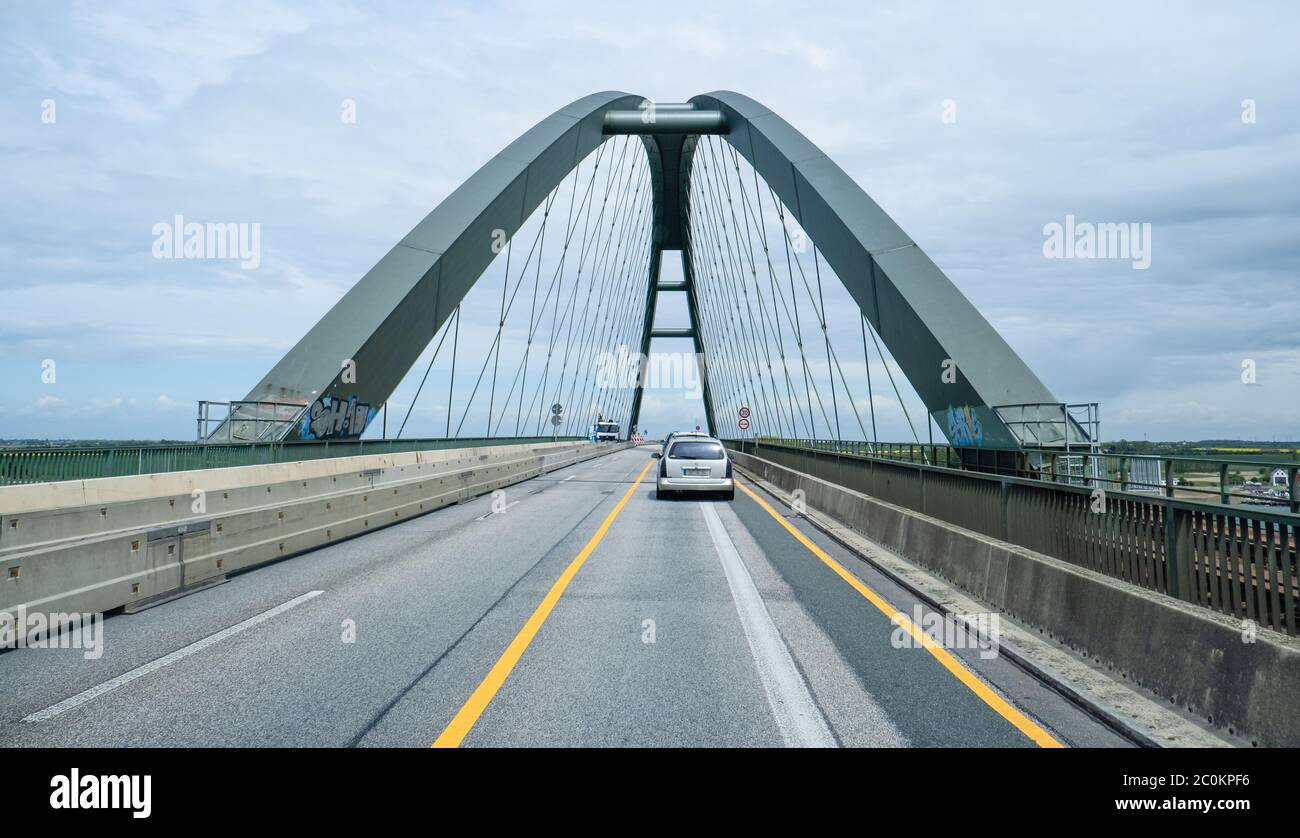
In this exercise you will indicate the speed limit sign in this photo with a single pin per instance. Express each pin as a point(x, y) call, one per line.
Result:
point(743, 424)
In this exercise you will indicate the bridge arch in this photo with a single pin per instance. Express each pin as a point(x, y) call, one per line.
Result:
point(383, 324)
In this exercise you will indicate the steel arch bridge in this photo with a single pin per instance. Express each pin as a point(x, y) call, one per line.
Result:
point(738, 192)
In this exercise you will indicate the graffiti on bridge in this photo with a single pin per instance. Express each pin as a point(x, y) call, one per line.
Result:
point(331, 418)
point(964, 428)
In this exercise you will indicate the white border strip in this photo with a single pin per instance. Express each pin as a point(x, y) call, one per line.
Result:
point(801, 722)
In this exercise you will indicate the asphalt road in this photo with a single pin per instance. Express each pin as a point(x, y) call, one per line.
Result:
point(548, 623)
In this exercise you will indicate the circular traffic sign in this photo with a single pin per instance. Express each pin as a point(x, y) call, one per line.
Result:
point(557, 409)
point(744, 412)
point(556, 420)
point(743, 424)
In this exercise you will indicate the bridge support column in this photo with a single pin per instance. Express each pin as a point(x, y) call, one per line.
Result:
point(651, 299)
point(664, 141)
point(692, 332)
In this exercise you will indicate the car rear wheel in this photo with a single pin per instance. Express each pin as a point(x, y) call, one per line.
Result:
point(730, 494)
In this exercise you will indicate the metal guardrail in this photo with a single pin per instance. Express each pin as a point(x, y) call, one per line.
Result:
point(1239, 560)
point(1209, 479)
point(246, 421)
point(1042, 424)
point(47, 465)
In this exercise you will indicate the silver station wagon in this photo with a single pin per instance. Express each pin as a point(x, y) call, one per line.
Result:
point(694, 464)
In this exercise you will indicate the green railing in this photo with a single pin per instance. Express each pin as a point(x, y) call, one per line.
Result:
point(48, 465)
point(1210, 479)
point(1235, 558)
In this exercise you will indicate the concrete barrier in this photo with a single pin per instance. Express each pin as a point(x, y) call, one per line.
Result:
point(1197, 659)
point(98, 545)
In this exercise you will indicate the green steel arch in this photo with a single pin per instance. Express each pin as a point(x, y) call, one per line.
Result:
point(386, 320)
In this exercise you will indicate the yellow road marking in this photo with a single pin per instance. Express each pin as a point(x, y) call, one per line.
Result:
point(1021, 722)
point(461, 724)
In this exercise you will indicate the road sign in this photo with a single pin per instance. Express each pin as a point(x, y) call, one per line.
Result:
point(743, 424)
point(557, 408)
point(556, 420)
point(744, 412)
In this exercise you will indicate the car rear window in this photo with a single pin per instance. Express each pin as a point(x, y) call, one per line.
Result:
point(691, 450)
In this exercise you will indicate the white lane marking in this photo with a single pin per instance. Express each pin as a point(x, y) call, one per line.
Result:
point(166, 660)
point(497, 511)
point(800, 721)
point(567, 479)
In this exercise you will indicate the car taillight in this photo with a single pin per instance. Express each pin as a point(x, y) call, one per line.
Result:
point(728, 467)
point(663, 466)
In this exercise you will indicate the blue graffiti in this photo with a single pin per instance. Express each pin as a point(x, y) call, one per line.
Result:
point(964, 428)
point(331, 418)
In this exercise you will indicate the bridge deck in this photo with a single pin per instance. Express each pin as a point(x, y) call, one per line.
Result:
point(436, 601)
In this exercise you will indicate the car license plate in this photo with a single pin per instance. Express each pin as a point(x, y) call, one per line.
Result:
point(695, 472)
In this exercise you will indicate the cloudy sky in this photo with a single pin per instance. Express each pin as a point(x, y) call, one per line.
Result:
point(115, 117)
